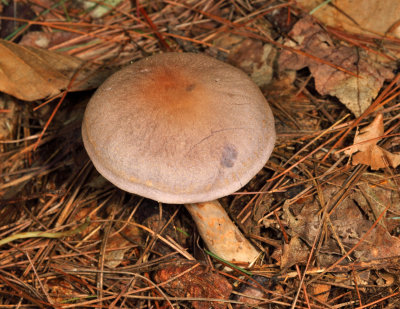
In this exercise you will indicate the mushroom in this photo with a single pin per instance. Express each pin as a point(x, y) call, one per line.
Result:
point(183, 128)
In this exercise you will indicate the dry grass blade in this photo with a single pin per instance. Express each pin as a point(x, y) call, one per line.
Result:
point(38, 234)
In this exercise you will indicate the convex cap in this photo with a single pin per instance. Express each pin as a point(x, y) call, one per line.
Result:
point(179, 128)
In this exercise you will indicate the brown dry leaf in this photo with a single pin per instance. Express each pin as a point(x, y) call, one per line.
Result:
point(198, 282)
point(119, 243)
point(366, 149)
point(364, 17)
point(255, 58)
point(277, 256)
point(294, 252)
point(355, 93)
point(252, 56)
point(347, 226)
point(386, 278)
point(321, 291)
point(31, 74)
point(372, 199)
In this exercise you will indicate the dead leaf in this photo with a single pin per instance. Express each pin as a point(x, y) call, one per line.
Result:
point(198, 282)
point(119, 243)
point(366, 149)
point(347, 225)
point(374, 196)
point(295, 252)
point(363, 17)
point(252, 56)
point(31, 74)
point(255, 58)
point(321, 291)
point(386, 278)
point(356, 93)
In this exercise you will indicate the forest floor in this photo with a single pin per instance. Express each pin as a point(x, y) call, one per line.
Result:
point(324, 212)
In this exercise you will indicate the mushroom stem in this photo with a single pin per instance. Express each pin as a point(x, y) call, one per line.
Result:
point(220, 234)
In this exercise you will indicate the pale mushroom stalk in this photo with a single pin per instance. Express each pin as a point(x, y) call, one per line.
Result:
point(183, 128)
point(220, 234)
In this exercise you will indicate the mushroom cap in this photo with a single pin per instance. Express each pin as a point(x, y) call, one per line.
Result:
point(179, 128)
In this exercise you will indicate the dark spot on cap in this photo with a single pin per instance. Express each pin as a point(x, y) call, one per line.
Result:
point(190, 87)
point(229, 155)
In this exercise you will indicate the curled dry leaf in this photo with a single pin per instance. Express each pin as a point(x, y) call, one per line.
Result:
point(30, 74)
point(354, 92)
point(366, 149)
point(33, 73)
point(364, 17)
point(198, 282)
